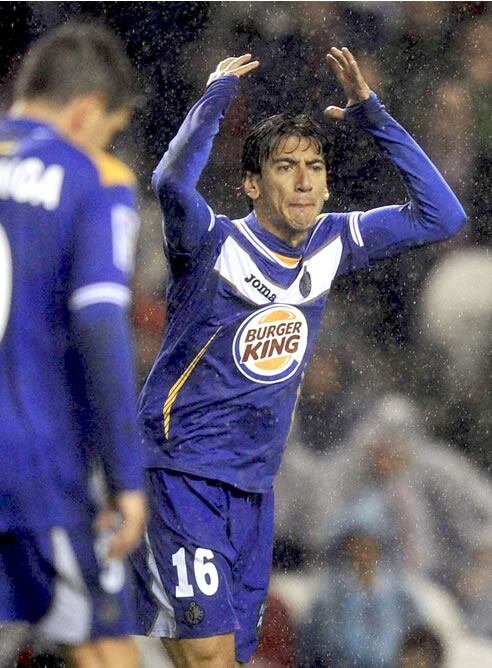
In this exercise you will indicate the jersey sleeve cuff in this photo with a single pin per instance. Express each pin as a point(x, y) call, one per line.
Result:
point(227, 81)
point(367, 114)
point(97, 293)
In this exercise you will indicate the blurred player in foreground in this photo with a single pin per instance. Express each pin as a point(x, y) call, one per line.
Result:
point(244, 302)
point(67, 230)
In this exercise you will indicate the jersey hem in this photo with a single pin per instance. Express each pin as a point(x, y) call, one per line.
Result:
point(188, 470)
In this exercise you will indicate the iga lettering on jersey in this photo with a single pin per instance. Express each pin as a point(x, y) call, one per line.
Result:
point(269, 345)
point(31, 182)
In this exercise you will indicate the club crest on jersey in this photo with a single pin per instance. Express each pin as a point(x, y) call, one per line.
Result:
point(269, 345)
point(305, 284)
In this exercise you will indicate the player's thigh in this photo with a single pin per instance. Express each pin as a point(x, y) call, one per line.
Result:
point(104, 653)
point(188, 559)
point(254, 521)
point(92, 597)
point(27, 578)
point(214, 652)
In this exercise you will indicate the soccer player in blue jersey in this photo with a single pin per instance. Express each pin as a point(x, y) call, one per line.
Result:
point(67, 230)
point(245, 299)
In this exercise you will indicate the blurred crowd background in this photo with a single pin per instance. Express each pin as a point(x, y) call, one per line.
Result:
point(384, 518)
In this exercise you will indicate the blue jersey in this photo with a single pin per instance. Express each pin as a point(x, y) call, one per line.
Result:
point(244, 307)
point(67, 223)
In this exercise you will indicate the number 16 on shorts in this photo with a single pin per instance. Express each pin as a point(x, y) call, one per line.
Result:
point(205, 573)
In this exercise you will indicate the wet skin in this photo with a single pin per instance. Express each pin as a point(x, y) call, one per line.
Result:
point(290, 192)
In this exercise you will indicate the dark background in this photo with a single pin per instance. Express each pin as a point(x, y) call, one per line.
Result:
point(430, 62)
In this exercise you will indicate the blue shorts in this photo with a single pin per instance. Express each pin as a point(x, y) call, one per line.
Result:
point(60, 580)
point(205, 565)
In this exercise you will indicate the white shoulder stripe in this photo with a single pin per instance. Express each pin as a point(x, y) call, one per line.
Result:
point(114, 293)
point(316, 228)
point(261, 247)
point(253, 239)
point(354, 228)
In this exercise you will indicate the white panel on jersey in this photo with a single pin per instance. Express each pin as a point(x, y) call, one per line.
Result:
point(69, 619)
point(238, 268)
point(322, 267)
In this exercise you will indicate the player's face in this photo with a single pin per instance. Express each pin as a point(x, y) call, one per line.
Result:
point(290, 192)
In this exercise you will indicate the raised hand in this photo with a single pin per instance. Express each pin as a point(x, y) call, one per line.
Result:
point(236, 67)
point(345, 68)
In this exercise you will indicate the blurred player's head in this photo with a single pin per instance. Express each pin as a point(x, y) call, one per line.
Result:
point(79, 78)
point(284, 174)
point(363, 550)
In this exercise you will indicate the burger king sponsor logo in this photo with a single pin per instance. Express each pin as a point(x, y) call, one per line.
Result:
point(269, 345)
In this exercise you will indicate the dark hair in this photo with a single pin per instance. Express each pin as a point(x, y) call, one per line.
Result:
point(422, 637)
point(74, 59)
point(265, 136)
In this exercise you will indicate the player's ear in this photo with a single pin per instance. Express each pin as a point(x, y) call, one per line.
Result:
point(251, 185)
point(326, 195)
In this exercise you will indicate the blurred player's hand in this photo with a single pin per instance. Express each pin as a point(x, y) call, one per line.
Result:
point(236, 67)
point(128, 521)
point(345, 68)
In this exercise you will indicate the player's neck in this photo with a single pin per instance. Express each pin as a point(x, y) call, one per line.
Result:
point(65, 119)
point(281, 230)
point(39, 111)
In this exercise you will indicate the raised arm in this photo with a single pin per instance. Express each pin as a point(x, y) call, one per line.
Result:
point(433, 213)
point(187, 217)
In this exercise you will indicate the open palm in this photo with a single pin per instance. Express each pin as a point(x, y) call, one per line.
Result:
point(233, 66)
point(345, 68)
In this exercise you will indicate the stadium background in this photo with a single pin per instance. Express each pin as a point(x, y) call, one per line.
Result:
point(431, 63)
point(420, 324)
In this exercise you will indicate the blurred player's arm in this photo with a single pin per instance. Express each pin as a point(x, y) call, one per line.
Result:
point(101, 333)
point(187, 217)
point(99, 302)
point(433, 213)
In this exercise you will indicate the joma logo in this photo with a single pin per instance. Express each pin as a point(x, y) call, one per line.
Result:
point(261, 287)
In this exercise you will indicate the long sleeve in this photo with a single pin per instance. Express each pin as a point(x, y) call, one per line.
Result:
point(433, 213)
point(187, 217)
point(102, 335)
point(103, 240)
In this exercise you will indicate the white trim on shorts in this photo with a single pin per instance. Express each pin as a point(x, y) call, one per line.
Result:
point(69, 619)
point(165, 622)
